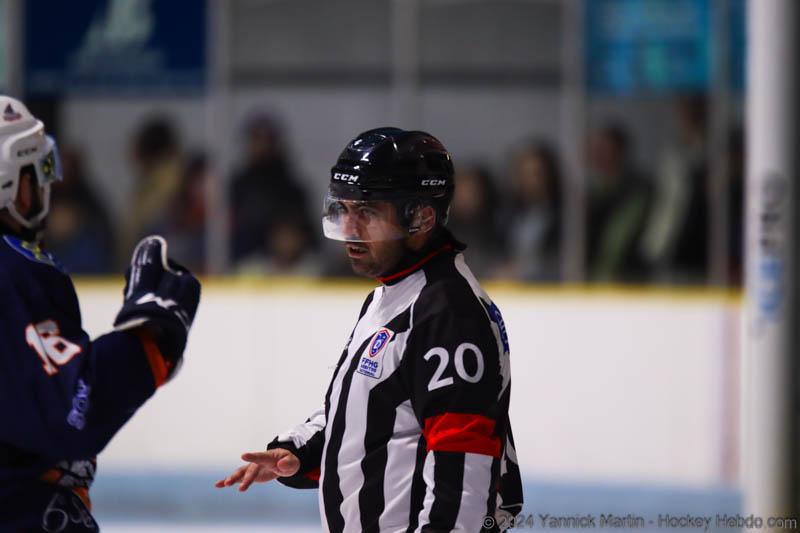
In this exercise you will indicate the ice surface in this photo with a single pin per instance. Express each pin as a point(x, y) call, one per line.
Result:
point(161, 527)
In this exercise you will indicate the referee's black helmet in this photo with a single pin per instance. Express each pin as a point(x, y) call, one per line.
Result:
point(400, 166)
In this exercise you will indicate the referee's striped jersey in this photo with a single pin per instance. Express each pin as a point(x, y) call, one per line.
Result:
point(414, 434)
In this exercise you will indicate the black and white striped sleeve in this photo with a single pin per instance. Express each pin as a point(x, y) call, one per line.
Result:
point(455, 388)
point(306, 442)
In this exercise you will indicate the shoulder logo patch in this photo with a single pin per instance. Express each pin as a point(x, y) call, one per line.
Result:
point(31, 251)
point(497, 318)
point(371, 362)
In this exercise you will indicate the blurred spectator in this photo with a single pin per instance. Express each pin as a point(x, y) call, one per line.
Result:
point(79, 230)
point(676, 240)
point(618, 205)
point(185, 223)
point(263, 190)
point(474, 218)
point(533, 225)
point(157, 165)
point(333, 259)
point(286, 250)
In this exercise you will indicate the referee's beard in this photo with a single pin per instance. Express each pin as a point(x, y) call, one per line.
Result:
point(378, 258)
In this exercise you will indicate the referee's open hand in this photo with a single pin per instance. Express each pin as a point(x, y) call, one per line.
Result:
point(262, 467)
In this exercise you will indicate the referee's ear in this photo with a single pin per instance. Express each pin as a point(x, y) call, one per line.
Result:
point(424, 219)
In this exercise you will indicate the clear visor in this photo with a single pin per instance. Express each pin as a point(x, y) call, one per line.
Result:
point(48, 171)
point(361, 221)
point(48, 167)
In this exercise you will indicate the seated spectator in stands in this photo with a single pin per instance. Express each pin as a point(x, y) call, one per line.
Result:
point(474, 218)
point(185, 220)
point(157, 165)
point(264, 186)
point(287, 250)
point(676, 240)
point(533, 223)
point(79, 230)
point(618, 203)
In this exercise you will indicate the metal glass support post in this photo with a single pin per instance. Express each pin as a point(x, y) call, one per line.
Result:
point(218, 129)
point(573, 142)
point(406, 112)
point(718, 168)
point(13, 36)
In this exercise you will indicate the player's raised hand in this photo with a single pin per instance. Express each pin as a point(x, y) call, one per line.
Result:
point(262, 467)
point(160, 295)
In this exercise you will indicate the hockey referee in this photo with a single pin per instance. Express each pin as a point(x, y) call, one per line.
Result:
point(414, 433)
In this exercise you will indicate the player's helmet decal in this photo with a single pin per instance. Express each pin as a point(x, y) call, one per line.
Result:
point(9, 115)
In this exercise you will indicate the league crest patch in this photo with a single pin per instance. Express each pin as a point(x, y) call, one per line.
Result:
point(371, 362)
point(31, 251)
point(379, 341)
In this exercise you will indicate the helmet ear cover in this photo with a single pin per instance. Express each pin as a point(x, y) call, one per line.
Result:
point(411, 215)
point(410, 212)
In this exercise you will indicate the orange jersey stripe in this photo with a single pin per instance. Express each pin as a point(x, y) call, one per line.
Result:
point(157, 363)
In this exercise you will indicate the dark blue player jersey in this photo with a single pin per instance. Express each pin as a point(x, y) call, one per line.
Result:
point(62, 395)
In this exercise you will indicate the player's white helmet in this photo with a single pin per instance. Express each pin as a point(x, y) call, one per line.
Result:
point(24, 143)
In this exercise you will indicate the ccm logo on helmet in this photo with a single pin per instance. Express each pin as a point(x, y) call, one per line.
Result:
point(349, 178)
point(27, 151)
point(433, 183)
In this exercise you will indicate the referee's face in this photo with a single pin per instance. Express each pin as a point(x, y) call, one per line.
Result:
point(375, 258)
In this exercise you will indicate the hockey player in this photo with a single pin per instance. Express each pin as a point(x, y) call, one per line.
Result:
point(62, 395)
point(414, 432)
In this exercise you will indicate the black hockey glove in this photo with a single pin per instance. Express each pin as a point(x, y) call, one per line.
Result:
point(160, 295)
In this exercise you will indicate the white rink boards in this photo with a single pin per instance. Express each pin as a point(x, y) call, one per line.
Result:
point(607, 386)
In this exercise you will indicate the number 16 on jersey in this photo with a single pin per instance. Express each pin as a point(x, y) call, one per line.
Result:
point(53, 349)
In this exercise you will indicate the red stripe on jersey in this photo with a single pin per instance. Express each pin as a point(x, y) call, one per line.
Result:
point(415, 266)
point(313, 475)
point(461, 432)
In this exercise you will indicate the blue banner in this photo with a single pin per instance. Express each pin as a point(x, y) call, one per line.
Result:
point(647, 45)
point(114, 46)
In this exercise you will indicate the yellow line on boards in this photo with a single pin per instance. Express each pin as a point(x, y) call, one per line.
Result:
point(606, 291)
point(307, 286)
